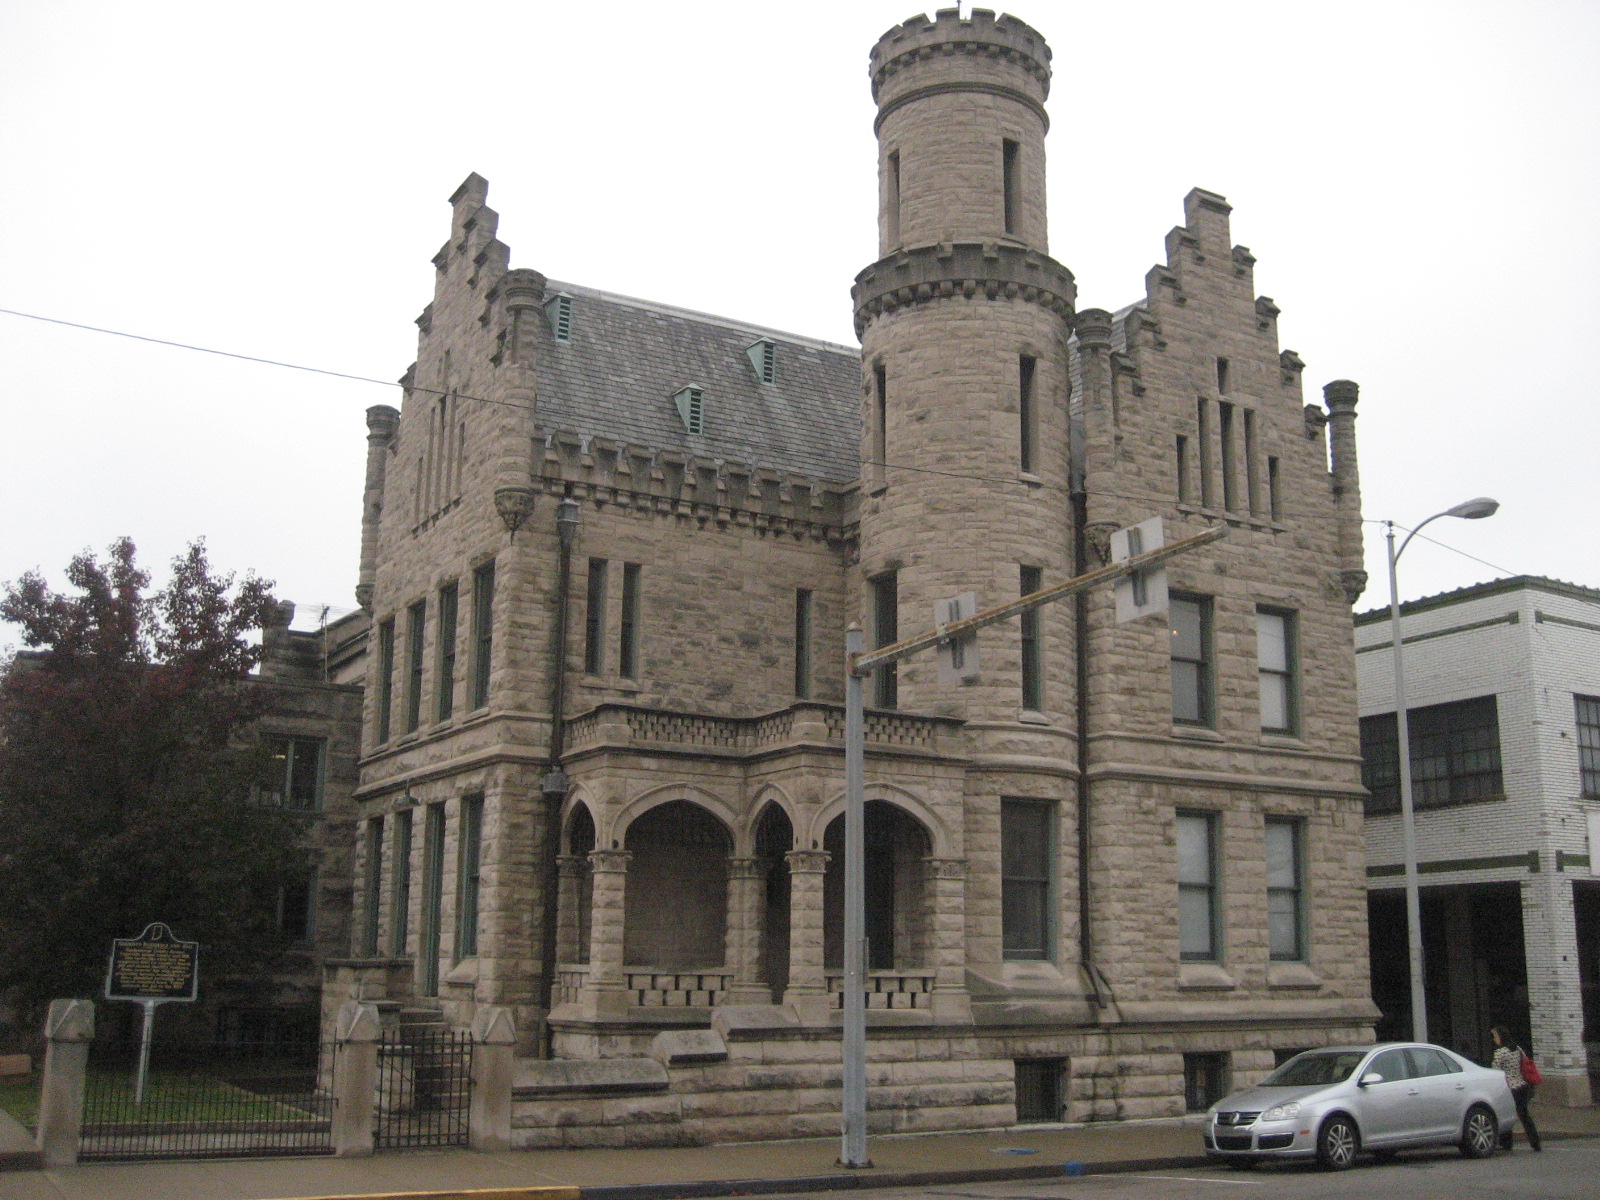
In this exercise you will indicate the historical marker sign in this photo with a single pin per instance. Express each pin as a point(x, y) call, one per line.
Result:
point(153, 966)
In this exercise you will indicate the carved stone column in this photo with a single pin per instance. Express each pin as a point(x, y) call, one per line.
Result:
point(569, 906)
point(606, 993)
point(947, 937)
point(747, 901)
point(807, 992)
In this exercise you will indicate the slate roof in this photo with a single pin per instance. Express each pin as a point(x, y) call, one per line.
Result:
point(627, 358)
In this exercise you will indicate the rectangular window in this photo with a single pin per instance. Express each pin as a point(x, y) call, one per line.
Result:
point(1588, 712)
point(1025, 842)
point(1230, 486)
point(885, 631)
point(594, 619)
point(1275, 653)
point(1252, 500)
point(1025, 416)
point(432, 897)
point(400, 885)
point(468, 877)
point(449, 607)
point(1032, 655)
point(295, 910)
point(1191, 660)
point(416, 638)
point(1197, 889)
point(482, 633)
point(1273, 508)
point(385, 677)
point(1222, 377)
point(1205, 1080)
point(373, 891)
point(293, 776)
point(1010, 166)
point(1039, 1089)
point(880, 417)
point(628, 644)
point(1285, 915)
point(1455, 756)
point(802, 643)
point(1183, 469)
point(891, 202)
point(1203, 440)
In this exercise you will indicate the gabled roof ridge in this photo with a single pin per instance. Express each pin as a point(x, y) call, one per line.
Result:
point(731, 323)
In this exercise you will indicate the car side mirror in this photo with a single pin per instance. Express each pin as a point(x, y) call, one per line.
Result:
point(1369, 1077)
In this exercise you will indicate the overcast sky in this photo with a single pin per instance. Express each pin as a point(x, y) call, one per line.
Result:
point(1416, 178)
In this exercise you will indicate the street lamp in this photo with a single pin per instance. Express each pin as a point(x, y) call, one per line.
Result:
point(1471, 510)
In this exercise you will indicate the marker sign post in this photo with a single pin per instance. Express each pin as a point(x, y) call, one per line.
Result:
point(153, 968)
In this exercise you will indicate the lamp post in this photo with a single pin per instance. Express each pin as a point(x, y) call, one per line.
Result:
point(1471, 510)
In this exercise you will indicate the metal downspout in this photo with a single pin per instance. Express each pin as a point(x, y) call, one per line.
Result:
point(1080, 630)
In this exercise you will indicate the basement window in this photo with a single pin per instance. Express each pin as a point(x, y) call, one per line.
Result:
point(559, 311)
point(763, 357)
point(691, 407)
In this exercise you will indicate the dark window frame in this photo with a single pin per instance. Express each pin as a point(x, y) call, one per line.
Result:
point(482, 633)
point(1030, 580)
point(628, 623)
point(1210, 887)
point(1011, 185)
point(432, 899)
point(1286, 894)
point(1027, 369)
point(1586, 715)
point(372, 888)
point(286, 780)
point(469, 875)
point(1289, 674)
point(1455, 756)
point(385, 689)
point(400, 884)
point(803, 617)
point(885, 631)
point(449, 631)
point(416, 648)
point(1204, 666)
point(1027, 889)
point(594, 618)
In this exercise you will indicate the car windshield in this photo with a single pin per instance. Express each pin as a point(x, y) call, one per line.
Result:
point(1311, 1070)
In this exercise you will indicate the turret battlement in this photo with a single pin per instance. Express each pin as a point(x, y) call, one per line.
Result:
point(1003, 37)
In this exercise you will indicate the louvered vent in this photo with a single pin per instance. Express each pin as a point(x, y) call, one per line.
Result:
point(559, 311)
point(691, 408)
point(764, 358)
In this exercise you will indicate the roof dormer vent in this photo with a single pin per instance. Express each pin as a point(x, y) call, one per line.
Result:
point(691, 408)
point(558, 309)
point(763, 357)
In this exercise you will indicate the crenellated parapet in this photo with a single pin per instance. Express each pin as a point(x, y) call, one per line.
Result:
point(991, 270)
point(999, 40)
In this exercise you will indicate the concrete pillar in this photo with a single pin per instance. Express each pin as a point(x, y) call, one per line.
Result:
point(607, 924)
point(569, 924)
point(494, 1039)
point(1555, 994)
point(355, 1078)
point(747, 895)
point(807, 992)
point(68, 1031)
point(947, 937)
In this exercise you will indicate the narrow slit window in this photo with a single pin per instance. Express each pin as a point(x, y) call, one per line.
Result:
point(449, 610)
point(628, 642)
point(372, 908)
point(1032, 579)
point(1222, 377)
point(1197, 887)
point(1230, 499)
point(1251, 482)
point(594, 619)
point(482, 632)
point(400, 896)
point(1010, 155)
point(416, 640)
point(1203, 420)
point(432, 898)
point(891, 201)
point(1285, 910)
point(1183, 469)
point(886, 630)
point(880, 416)
point(469, 875)
point(1272, 489)
point(802, 643)
point(1025, 410)
point(385, 677)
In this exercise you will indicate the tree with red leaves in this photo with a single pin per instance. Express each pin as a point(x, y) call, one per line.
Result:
point(126, 773)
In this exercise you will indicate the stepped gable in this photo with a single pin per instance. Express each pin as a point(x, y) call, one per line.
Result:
point(627, 358)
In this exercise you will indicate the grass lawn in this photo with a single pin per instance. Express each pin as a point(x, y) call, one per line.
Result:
point(178, 1097)
point(19, 1096)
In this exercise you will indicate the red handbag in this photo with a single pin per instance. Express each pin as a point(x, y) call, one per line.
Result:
point(1530, 1070)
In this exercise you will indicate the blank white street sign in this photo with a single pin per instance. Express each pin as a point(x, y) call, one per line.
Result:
point(1143, 594)
point(958, 657)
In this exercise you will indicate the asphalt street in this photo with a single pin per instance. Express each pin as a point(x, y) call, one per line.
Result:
point(1567, 1170)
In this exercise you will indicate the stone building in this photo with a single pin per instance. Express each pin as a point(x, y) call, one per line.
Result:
point(1503, 692)
point(610, 549)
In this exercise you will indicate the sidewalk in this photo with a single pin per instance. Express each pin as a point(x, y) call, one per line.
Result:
point(748, 1168)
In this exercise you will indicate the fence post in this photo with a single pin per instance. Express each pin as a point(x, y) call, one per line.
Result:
point(489, 1119)
point(355, 1078)
point(68, 1030)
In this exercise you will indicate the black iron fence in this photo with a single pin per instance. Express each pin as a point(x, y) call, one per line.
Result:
point(216, 1100)
point(424, 1088)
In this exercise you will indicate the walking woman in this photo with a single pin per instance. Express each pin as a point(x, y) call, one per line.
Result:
point(1508, 1058)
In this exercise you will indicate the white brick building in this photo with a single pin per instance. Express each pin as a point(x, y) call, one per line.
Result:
point(1502, 681)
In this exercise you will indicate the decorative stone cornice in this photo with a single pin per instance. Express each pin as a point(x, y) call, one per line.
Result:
point(981, 34)
point(994, 270)
point(966, 85)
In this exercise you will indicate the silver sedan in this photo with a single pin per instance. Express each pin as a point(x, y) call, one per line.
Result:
point(1331, 1104)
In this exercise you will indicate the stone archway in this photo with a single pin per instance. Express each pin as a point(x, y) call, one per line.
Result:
point(897, 848)
point(774, 838)
point(576, 896)
point(677, 892)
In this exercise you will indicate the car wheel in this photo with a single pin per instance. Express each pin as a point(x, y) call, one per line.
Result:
point(1337, 1143)
point(1480, 1133)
